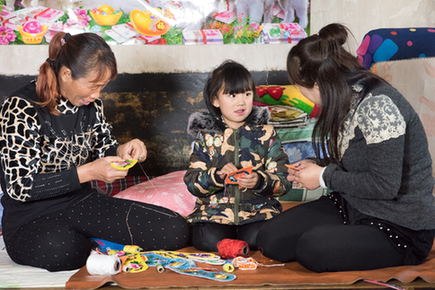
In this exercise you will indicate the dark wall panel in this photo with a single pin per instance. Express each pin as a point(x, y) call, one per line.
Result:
point(154, 108)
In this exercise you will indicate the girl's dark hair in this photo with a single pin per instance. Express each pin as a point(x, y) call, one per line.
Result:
point(82, 54)
point(321, 59)
point(230, 76)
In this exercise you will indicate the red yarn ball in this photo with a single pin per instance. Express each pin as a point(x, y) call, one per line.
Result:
point(230, 248)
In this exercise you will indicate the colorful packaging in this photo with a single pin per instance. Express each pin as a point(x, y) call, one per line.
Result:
point(225, 11)
point(42, 14)
point(201, 37)
point(296, 32)
point(143, 39)
point(278, 33)
point(49, 16)
point(6, 13)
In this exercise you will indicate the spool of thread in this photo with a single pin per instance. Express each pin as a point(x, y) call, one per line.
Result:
point(231, 248)
point(228, 267)
point(160, 268)
point(103, 264)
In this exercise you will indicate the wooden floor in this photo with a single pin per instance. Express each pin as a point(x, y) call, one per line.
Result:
point(418, 284)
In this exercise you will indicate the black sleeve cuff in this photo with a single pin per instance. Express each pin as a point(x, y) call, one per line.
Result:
point(218, 178)
point(260, 182)
point(55, 184)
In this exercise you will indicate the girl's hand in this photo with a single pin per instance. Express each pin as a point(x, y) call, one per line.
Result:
point(249, 180)
point(101, 169)
point(134, 149)
point(307, 176)
point(228, 168)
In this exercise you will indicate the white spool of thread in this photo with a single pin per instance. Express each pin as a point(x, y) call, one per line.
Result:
point(103, 264)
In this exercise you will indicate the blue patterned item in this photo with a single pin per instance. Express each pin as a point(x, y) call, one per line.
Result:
point(298, 151)
point(104, 246)
point(395, 44)
point(178, 262)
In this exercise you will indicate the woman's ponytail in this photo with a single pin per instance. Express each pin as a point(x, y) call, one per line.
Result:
point(332, 38)
point(47, 86)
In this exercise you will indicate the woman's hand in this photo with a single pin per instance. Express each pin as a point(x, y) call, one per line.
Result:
point(101, 169)
point(134, 149)
point(307, 176)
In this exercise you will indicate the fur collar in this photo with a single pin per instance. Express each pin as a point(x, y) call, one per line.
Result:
point(200, 121)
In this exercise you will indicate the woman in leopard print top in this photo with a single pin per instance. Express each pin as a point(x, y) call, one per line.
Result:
point(54, 139)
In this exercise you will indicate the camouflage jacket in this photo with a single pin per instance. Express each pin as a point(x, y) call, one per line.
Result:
point(257, 145)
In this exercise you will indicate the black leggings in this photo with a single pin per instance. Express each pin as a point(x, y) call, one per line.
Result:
point(205, 236)
point(314, 234)
point(60, 240)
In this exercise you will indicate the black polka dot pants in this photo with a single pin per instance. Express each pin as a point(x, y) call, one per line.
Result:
point(317, 236)
point(60, 240)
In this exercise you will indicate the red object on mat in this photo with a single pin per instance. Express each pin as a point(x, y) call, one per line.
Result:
point(229, 248)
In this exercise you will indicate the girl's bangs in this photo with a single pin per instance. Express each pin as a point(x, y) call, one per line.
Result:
point(238, 83)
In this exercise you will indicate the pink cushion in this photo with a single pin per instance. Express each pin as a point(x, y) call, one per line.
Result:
point(168, 191)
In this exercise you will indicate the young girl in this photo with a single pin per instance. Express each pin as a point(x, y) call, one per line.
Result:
point(234, 135)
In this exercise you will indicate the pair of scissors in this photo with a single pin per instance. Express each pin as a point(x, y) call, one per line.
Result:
point(294, 166)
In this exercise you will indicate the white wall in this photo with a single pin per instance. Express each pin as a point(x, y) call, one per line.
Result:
point(362, 16)
point(359, 15)
point(26, 59)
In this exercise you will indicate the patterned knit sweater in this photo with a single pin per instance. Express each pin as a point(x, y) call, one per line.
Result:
point(386, 167)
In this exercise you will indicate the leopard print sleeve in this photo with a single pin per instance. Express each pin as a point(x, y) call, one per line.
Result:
point(19, 147)
point(104, 142)
point(33, 166)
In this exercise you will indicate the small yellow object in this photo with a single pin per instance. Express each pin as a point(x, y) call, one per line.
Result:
point(220, 276)
point(106, 20)
point(132, 249)
point(106, 8)
point(228, 267)
point(115, 252)
point(135, 263)
point(149, 23)
point(124, 165)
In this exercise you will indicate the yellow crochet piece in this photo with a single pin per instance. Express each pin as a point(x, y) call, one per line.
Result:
point(124, 165)
point(135, 263)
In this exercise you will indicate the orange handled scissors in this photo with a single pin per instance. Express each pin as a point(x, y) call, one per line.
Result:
point(294, 166)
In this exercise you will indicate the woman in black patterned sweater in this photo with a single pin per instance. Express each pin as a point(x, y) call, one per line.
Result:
point(381, 211)
point(54, 139)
